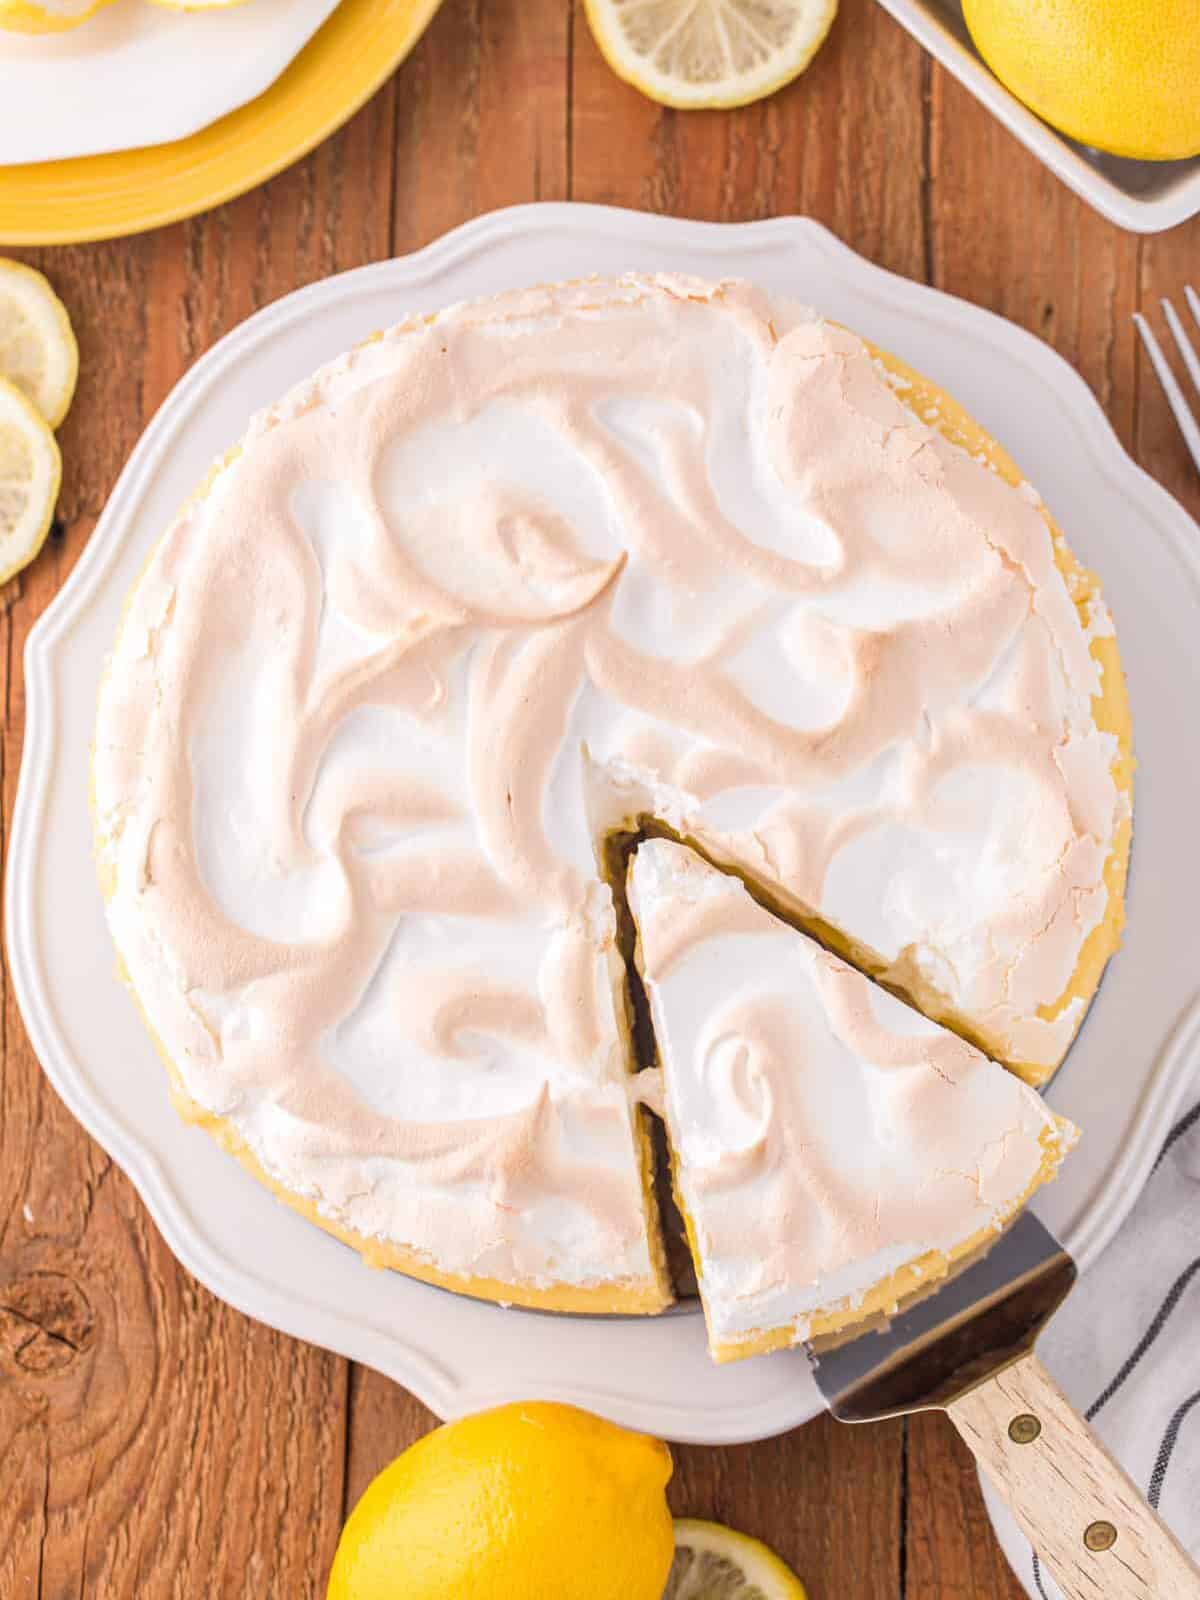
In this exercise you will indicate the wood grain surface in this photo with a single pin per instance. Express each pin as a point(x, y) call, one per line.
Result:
point(153, 1442)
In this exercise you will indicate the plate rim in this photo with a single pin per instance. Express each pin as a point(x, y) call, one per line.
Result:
point(446, 1392)
point(84, 199)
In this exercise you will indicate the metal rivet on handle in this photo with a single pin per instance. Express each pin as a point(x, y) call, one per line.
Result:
point(1024, 1429)
point(1099, 1536)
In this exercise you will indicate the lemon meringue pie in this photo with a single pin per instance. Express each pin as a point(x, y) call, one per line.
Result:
point(834, 1151)
point(511, 578)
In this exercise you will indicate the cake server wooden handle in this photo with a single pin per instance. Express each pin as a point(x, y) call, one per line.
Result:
point(1080, 1511)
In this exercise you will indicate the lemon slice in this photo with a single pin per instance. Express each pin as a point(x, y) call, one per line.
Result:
point(38, 352)
point(47, 16)
point(693, 53)
point(715, 1563)
point(30, 473)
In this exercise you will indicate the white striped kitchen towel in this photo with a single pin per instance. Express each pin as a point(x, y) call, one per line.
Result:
point(1126, 1349)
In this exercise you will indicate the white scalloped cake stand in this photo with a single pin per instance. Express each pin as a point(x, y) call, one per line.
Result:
point(1122, 1080)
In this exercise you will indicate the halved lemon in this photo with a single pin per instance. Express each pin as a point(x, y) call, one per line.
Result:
point(698, 53)
point(37, 345)
point(715, 1563)
point(30, 474)
point(47, 16)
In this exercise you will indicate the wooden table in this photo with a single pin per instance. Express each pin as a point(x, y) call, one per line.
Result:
point(153, 1442)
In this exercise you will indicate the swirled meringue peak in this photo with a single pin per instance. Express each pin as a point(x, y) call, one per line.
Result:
point(834, 1150)
point(505, 579)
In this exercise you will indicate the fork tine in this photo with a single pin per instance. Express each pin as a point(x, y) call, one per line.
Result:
point(1175, 397)
point(1193, 300)
point(1184, 345)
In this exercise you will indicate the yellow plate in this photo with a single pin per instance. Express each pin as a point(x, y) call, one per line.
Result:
point(103, 197)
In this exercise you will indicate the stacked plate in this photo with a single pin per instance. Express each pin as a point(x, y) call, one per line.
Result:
point(159, 113)
point(116, 83)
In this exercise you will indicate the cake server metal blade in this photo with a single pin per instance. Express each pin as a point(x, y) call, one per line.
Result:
point(929, 1353)
point(968, 1349)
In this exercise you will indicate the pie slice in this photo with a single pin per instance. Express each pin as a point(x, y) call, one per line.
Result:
point(834, 1151)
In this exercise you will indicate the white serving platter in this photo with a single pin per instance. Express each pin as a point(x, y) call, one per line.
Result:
point(137, 74)
point(1122, 1081)
point(1143, 196)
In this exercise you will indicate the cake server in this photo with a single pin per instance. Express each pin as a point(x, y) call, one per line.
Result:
point(968, 1350)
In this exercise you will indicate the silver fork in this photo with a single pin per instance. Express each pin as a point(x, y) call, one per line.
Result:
point(1176, 398)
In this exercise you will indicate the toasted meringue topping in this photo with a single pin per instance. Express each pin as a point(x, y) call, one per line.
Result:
point(505, 577)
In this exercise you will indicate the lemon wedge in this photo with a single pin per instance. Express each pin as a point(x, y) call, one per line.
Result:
point(711, 1560)
point(38, 352)
point(47, 16)
point(697, 53)
point(30, 473)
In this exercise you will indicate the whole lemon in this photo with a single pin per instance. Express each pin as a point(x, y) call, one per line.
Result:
point(528, 1502)
point(1122, 75)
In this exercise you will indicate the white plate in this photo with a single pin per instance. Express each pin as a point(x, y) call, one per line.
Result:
point(137, 74)
point(1121, 1081)
point(1143, 196)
